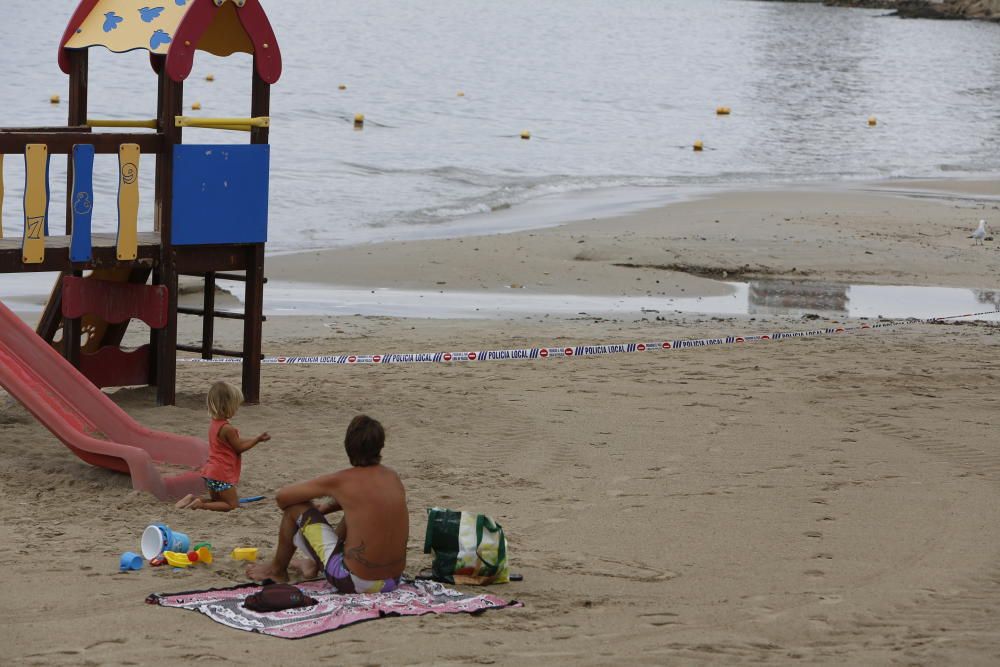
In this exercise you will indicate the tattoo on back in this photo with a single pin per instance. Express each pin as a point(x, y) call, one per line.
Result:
point(358, 553)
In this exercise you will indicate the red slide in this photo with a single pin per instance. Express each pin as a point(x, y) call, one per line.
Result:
point(86, 420)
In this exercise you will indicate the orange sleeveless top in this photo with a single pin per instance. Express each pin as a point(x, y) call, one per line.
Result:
point(223, 464)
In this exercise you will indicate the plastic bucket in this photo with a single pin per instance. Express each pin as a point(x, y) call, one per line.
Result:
point(158, 538)
point(130, 561)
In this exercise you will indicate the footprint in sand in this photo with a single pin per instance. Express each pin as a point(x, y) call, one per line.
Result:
point(813, 533)
point(660, 619)
point(824, 556)
point(814, 573)
point(818, 501)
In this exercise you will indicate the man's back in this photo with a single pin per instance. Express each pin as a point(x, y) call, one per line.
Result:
point(377, 520)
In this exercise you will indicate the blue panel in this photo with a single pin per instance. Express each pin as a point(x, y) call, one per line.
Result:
point(83, 202)
point(220, 194)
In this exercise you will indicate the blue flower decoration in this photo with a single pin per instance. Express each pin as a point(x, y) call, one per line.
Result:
point(111, 21)
point(150, 14)
point(158, 39)
point(82, 204)
point(180, 3)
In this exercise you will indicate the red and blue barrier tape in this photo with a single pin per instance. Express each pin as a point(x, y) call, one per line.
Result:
point(554, 352)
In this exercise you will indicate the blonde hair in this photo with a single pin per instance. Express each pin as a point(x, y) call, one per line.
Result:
point(223, 400)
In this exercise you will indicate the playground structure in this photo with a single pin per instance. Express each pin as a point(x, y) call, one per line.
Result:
point(210, 220)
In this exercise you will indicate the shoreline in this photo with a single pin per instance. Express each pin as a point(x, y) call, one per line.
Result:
point(705, 245)
point(892, 233)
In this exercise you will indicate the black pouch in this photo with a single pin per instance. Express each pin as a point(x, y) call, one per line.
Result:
point(275, 597)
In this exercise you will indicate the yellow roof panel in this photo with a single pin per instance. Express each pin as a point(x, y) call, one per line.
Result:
point(125, 25)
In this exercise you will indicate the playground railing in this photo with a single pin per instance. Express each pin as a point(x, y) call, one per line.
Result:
point(37, 145)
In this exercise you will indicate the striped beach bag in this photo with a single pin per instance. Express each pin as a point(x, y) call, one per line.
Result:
point(468, 548)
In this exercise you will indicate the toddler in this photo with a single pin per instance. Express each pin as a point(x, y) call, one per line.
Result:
point(221, 471)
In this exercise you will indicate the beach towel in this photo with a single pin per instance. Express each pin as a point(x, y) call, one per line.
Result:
point(332, 611)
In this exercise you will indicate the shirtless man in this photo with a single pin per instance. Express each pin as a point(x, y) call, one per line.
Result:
point(366, 552)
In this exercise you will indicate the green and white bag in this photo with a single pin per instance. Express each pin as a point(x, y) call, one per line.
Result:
point(468, 548)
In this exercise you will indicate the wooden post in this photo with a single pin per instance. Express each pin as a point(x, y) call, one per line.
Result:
point(71, 329)
point(253, 323)
point(51, 318)
point(208, 318)
point(78, 79)
point(154, 339)
point(170, 104)
point(260, 105)
point(78, 75)
point(48, 325)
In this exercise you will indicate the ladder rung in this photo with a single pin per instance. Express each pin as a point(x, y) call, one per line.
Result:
point(234, 276)
point(221, 353)
point(223, 276)
point(218, 313)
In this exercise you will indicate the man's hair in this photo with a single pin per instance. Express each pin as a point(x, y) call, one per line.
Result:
point(223, 400)
point(364, 441)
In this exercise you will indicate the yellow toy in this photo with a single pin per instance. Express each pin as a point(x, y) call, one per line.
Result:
point(245, 553)
point(200, 555)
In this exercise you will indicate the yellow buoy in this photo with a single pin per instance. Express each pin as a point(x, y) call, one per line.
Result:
point(359, 119)
point(54, 99)
point(872, 121)
point(698, 145)
point(723, 111)
point(196, 106)
point(525, 134)
point(210, 77)
point(342, 87)
point(460, 94)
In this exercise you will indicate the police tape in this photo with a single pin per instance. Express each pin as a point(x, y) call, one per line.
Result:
point(556, 352)
point(542, 352)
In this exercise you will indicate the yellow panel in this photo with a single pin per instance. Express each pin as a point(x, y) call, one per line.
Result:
point(128, 201)
point(1, 195)
point(124, 25)
point(36, 202)
point(225, 35)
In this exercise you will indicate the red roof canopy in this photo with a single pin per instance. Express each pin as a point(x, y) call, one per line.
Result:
point(176, 29)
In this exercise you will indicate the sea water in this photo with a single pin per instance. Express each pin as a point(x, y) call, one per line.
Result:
point(613, 93)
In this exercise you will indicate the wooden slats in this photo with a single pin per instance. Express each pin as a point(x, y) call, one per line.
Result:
point(128, 200)
point(36, 203)
point(82, 204)
point(114, 302)
point(61, 143)
point(44, 130)
point(57, 253)
point(115, 367)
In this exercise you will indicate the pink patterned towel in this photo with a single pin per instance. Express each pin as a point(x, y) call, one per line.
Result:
point(333, 611)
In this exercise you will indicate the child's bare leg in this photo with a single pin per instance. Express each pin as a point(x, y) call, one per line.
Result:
point(222, 501)
point(277, 568)
point(185, 501)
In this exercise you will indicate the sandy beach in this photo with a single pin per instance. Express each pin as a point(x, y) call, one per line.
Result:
point(830, 500)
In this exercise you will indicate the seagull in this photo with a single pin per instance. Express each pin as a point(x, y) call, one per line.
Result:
point(980, 233)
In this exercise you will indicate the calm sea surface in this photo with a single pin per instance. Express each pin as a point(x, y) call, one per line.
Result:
point(614, 94)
